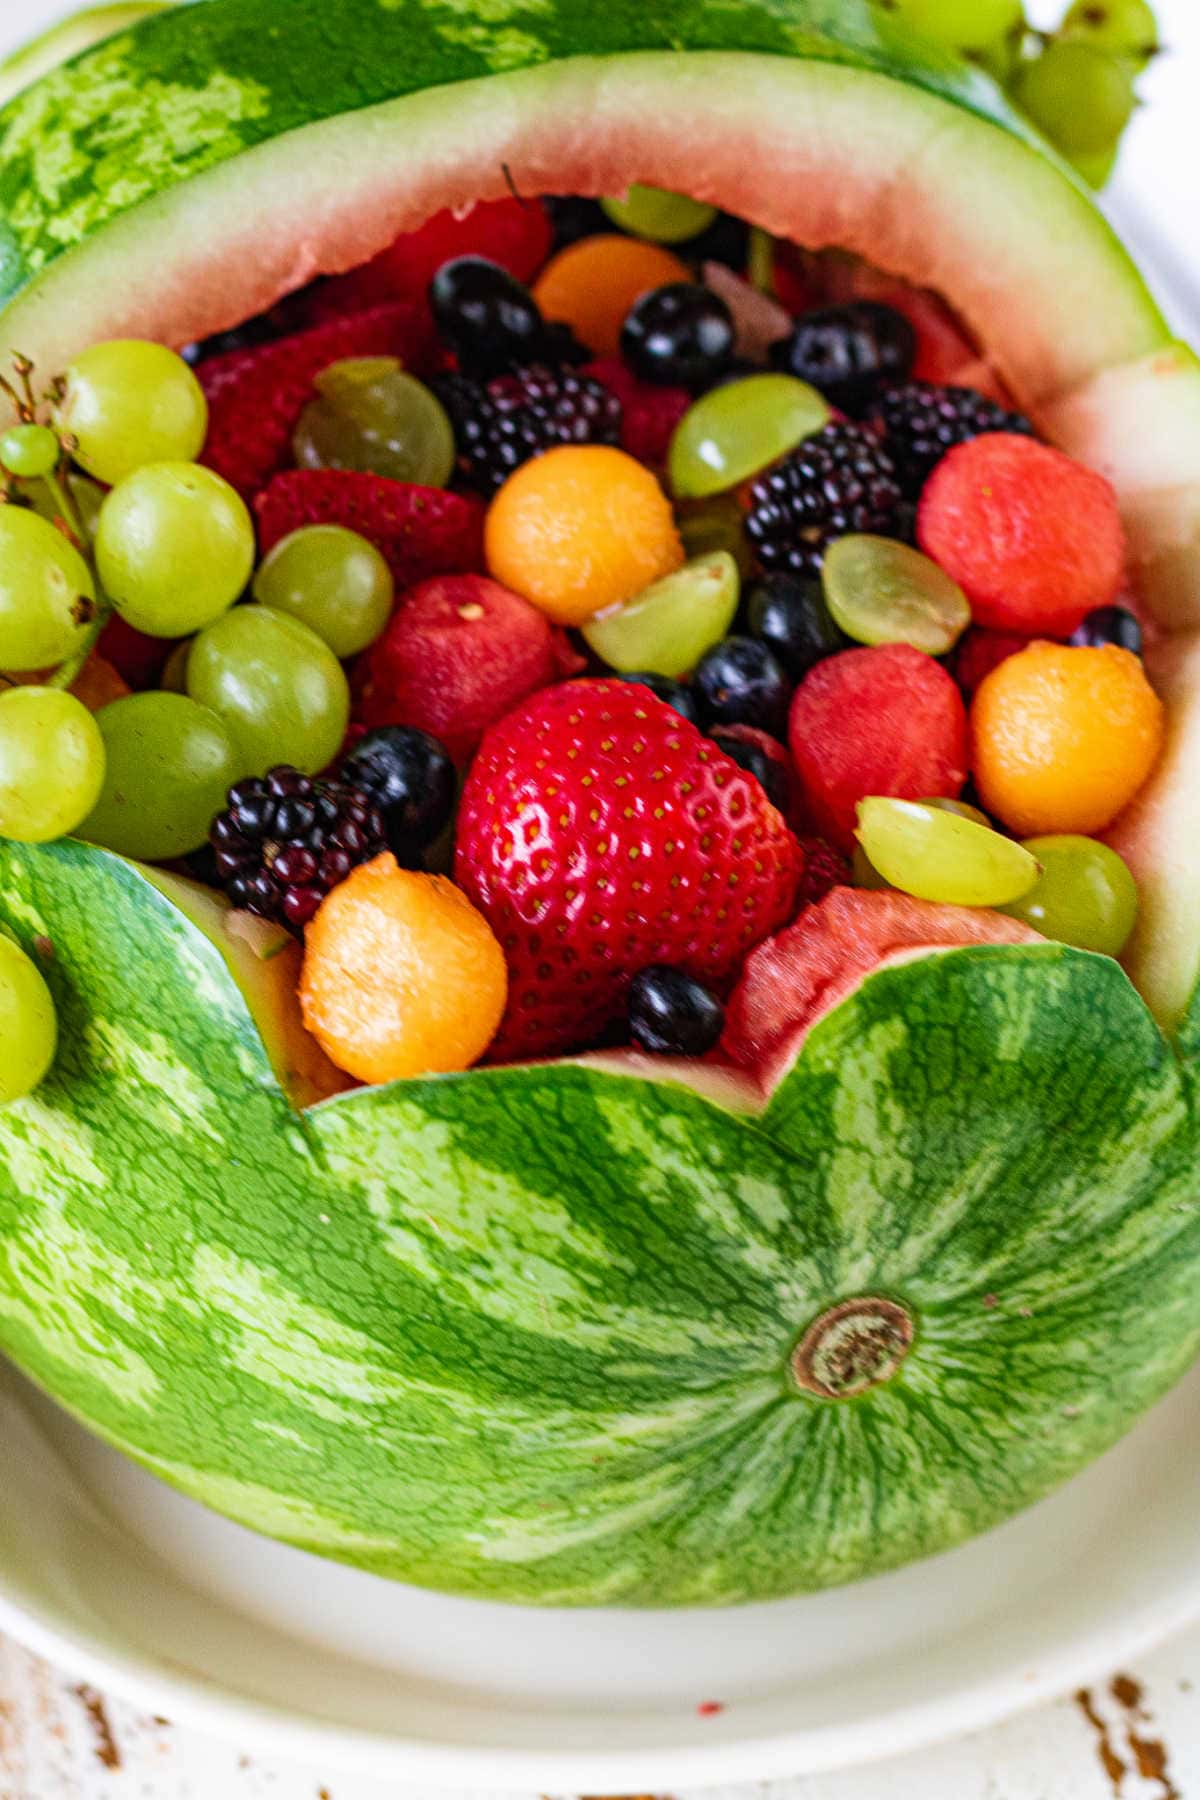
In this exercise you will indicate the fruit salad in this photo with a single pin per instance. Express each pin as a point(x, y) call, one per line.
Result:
point(599, 969)
point(535, 621)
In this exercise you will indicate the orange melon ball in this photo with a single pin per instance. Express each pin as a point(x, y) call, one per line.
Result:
point(402, 976)
point(591, 286)
point(580, 528)
point(1062, 737)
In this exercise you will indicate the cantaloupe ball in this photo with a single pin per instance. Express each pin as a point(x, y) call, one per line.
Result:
point(402, 975)
point(1062, 737)
point(580, 528)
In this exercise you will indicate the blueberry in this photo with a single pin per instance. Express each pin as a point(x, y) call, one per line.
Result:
point(1110, 625)
point(789, 614)
point(849, 352)
point(670, 1014)
point(672, 692)
point(740, 682)
point(770, 776)
point(410, 778)
point(485, 314)
point(679, 335)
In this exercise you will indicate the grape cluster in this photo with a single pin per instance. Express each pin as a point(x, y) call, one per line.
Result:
point(1076, 84)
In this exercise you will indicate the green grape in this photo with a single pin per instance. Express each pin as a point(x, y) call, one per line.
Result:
point(333, 581)
point(1096, 167)
point(174, 548)
point(663, 217)
point(51, 763)
point(1079, 97)
point(29, 450)
point(279, 688)
point(1085, 895)
point(28, 1023)
point(960, 24)
point(883, 592)
point(173, 679)
point(735, 431)
point(169, 765)
point(717, 524)
point(47, 595)
point(863, 872)
point(667, 628)
point(938, 855)
point(962, 808)
point(375, 418)
point(128, 403)
point(1126, 28)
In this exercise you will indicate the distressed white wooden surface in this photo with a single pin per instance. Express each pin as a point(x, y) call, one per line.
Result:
point(1134, 1738)
point(1141, 1742)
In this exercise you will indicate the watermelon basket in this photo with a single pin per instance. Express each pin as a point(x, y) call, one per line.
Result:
point(589, 1333)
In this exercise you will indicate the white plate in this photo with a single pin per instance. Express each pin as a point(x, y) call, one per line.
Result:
point(149, 1596)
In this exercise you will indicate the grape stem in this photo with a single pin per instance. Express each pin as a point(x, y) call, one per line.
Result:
point(67, 673)
point(61, 494)
point(760, 261)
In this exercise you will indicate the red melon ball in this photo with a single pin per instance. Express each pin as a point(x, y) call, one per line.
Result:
point(886, 720)
point(1033, 539)
point(459, 653)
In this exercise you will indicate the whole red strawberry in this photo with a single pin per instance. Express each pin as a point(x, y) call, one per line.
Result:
point(599, 832)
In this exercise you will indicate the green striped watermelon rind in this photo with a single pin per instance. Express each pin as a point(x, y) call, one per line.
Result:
point(525, 1334)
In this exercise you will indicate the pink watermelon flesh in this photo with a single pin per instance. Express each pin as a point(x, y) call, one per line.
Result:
point(795, 977)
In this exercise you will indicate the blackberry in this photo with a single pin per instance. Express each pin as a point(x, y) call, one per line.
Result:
point(500, 424)
point(840, 480)
point(922, 421)
point(285, 840)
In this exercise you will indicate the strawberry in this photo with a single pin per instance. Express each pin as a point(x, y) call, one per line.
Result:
point(460, 652)
point(514, 233)
point(649, 414)
point(255, 396)
point(420, 531)
point(599, 832)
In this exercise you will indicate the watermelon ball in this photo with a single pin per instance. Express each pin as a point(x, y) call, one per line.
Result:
point(410, 778)
point(459, 653)
point(1033, 539)
point(979, 651)
point(882, 720)
point(673, 1014)
point(402, 975)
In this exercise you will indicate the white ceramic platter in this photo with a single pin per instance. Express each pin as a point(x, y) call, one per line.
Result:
point(149, 1596)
